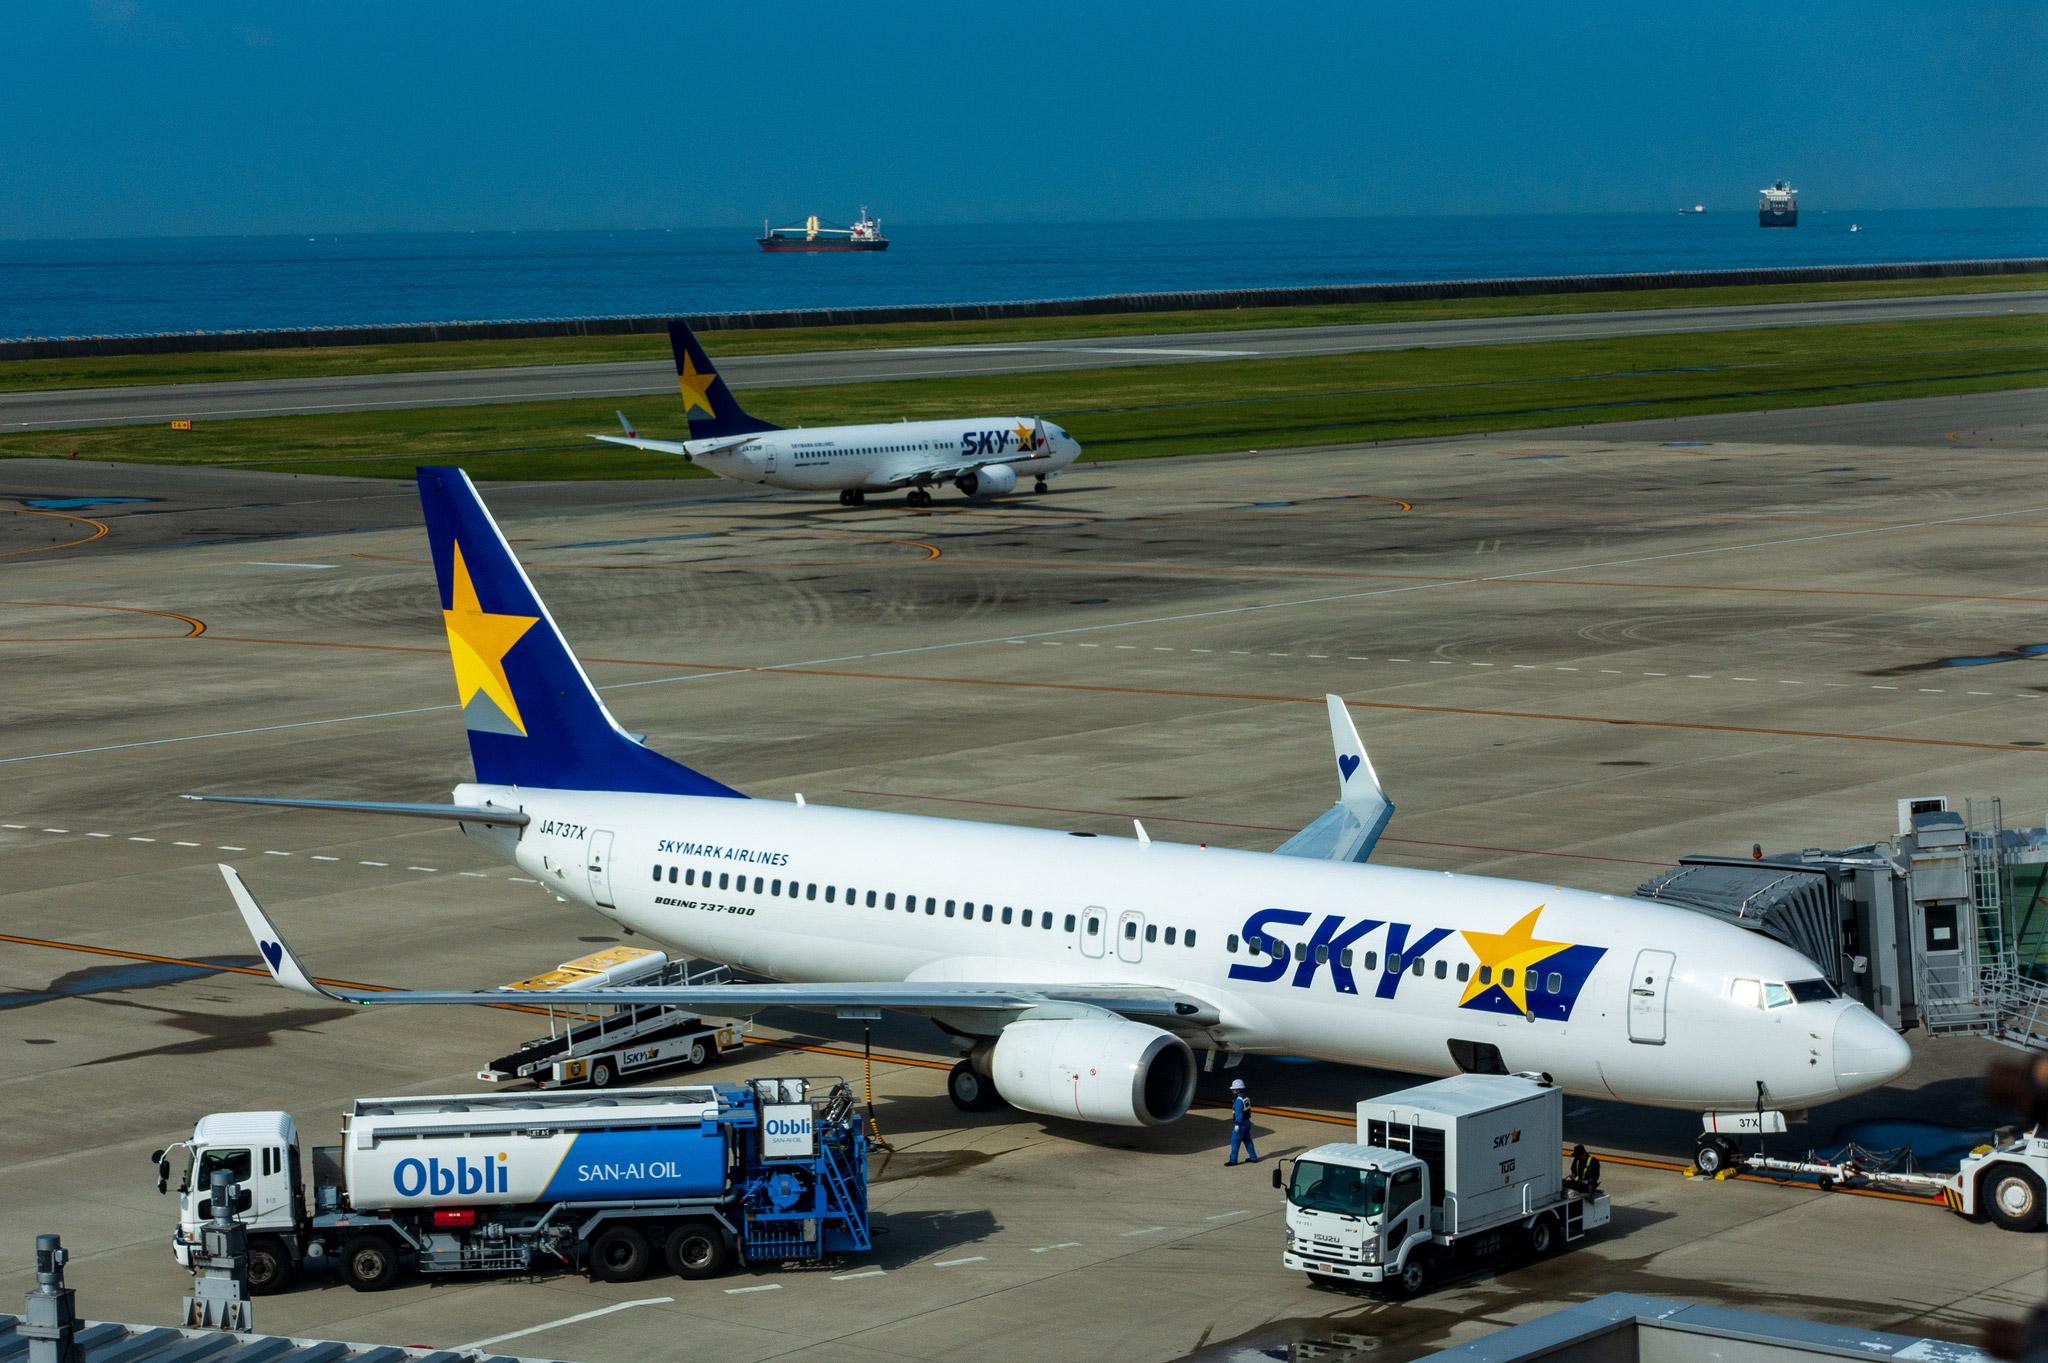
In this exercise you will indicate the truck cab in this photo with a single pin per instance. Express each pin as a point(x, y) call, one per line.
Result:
point(1354, 1207)
point(260, 1151)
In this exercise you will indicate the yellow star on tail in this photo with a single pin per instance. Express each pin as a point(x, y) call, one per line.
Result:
point(696, 388)
point(478, 643)
point(1516, 949)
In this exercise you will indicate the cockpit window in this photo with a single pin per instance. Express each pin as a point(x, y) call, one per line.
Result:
point(1812, 991)
point(1776, 995)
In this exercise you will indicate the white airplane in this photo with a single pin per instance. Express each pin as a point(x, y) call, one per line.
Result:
point(982, 456)
point(1079, 974)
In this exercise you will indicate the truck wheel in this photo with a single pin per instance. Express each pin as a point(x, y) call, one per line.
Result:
point(600, 1074)
point(270, 1266)
point(619, 1254)
point(698, 1055)
point(697, 1250)
point(1541, 1237)
point(1413, 1278)
point(370, 1263)
point(971, 1090)
point(2011, 1197)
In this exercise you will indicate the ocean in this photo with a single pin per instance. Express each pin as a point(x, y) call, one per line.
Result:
point(113, 287)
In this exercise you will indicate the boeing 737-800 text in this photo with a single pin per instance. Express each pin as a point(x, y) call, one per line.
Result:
point(981, 456)
point(1079, 974)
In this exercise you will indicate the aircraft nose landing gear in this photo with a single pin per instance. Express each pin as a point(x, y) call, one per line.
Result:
point(853, 496)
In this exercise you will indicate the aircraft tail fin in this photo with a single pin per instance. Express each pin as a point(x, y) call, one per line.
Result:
point(712, 410)
point(534, 719)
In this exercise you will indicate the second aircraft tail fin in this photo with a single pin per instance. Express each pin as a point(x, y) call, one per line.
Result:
point(712, 410)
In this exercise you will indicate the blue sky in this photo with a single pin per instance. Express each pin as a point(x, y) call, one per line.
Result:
point(141, 118)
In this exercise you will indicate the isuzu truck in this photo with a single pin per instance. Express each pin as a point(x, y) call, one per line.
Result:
point(766, 1172)
point(1466, 1169)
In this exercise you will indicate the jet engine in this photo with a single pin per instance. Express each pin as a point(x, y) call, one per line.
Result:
point(1103, 1070)
point(996, 480)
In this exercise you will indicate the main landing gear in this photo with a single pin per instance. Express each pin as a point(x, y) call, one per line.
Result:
point(853, 496)
point(971, 1090)
point(1040, 486)
point(917, 496)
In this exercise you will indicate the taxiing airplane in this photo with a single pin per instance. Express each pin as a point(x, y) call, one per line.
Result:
point(1080, 974)
point(982, 456)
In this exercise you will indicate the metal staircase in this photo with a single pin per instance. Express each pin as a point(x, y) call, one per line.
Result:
point(2006, 1004)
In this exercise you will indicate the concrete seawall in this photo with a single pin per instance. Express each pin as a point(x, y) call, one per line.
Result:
point(172, 343)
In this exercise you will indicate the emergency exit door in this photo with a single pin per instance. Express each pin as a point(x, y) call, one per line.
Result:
point(1091, 930)
point(1647, 996)
point(1130, 936)
point(601, 867)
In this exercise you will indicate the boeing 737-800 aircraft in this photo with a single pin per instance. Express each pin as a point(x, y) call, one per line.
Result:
point(1079, 974)
point(982, 456)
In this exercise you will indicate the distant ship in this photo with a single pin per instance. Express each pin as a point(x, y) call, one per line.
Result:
point(865, 235)
point(1779, 206)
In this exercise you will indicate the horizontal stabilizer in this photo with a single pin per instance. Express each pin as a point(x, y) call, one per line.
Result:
point(512, 818)
point(635, 442)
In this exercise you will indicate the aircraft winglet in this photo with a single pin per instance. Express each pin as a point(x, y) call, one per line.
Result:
point(284, 966)
point(1351, 828)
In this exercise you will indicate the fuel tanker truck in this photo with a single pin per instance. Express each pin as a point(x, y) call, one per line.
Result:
point(771, 1171)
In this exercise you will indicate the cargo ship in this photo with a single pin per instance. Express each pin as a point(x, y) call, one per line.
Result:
point(865, 235)
point(1779, 206)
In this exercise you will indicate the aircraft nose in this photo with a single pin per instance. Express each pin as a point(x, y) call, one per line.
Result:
point(1867, 1053)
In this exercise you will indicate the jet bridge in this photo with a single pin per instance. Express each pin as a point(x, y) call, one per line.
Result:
point(1924, 930)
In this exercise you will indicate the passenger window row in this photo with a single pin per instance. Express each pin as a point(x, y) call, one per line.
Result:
point(1550, 983)
point(967, 910)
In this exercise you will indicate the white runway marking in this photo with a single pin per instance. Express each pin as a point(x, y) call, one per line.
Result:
point(764, 1287)
point(142, 839)
point(565, 1320)
point(1149, 1230)
point(56, 830)
point(184, 844)
point(864, 1273)
point(373, 863)
point(321, 857)
point(1225, 1216)
point(955, 1263)
point(225, 848)
point(255, 564)
point(427, 869)
point(1064, 1244)
point(99, 835)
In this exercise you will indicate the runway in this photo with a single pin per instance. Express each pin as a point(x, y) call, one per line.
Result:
point(279, 397)
point(1574, 656)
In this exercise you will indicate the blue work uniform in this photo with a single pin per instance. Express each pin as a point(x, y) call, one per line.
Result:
point(1241, 1130)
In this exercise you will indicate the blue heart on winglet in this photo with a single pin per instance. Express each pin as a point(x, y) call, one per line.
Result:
point(272, 952)
point(1347, 763)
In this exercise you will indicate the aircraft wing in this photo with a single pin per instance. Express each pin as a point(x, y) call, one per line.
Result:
point(1351, 828)
point(640, 443)
point(632, 439)
point(1161, 1007)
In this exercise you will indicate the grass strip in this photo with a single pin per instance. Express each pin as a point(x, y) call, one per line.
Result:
point(1144, 412)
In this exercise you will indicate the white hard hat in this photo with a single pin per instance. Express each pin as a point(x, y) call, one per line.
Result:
point(1236, 1084)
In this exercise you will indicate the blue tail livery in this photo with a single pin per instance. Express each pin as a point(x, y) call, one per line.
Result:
point(714, 413)
point(533, 717)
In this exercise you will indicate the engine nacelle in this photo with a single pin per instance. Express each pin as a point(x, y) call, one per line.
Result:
point(1094, 1070)
point(996, 480)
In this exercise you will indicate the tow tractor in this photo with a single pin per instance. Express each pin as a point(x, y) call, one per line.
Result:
point(601, 1046)
point(2001, 1181)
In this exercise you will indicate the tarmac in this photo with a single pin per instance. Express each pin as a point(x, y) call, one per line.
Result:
point(1575, 656)
point(55, 410)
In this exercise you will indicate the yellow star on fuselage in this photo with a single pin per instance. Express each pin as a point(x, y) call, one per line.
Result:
point(1516, 949)
point(1024, 434)
point(478, 642)
point(696, 388)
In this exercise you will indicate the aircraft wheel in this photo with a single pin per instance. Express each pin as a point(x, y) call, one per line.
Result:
point(917, 496)
point(1713, 1155)
point(853, 496)
point(971, 1090)
point(1040, 486)
point(2011, 1196)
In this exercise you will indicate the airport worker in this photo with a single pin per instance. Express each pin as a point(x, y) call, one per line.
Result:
point(1580, 1168)
point(1240, 1124)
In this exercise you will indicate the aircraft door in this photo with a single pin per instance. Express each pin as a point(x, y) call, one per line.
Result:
point(1130, 936)
point(600, 858)
point(1647, 1000)
point(767, 448)
point(1092, 932)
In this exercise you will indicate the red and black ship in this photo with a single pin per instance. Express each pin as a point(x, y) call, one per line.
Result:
point(865, 235)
